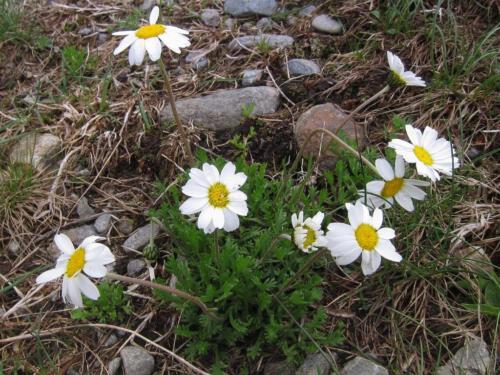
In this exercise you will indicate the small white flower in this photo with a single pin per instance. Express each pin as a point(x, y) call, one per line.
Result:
point(403, 77)
point(216, 196)
point(307, 234)
point(363, 236)
point(90, 257)
point(149, 38)
point(393, 187)
point(430, 153)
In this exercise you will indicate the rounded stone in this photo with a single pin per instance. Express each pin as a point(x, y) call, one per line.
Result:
point(326, 24)
point(210, 17)
point(137, 361)
point(301, 67)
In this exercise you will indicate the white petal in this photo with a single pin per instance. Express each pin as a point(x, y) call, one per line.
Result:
point(169, 43)
point(405, 202)
point(153, 46)
point(231, 221)
point(370, 262)
point(414, 134)
point(318, 218)
point(400, 146)
point(193, 205)
point(64, 289)
point(399, 166)
point(342, 248)
point(375, 186)
point(64, 244)
point(177, 30)
point(87, 287)
point(227, 172)
point(377, 218)
point(218, 218)
point(388, 251)
point(395, 63)
point(193, 189)
point(153, 16)
point(355, 214)
point(136, 52)
point(94, 269)
point(294, 220)
point(413, 191)
point(123, 33)
point(235, 182)
point(50, 275)
point(348, 258)
point(205, 217)
point(386, 233)
point(90, 240)
point(384, 168)
point(211, 173)
point(237, 196)
point(124, 44)
point(198, 176)
point(100, 253)
point(74, 293)
point(239, 208)
point(340, 229)
point(429, 138)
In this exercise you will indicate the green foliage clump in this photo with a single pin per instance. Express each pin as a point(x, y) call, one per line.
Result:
point(251, 276)
point(113, 306)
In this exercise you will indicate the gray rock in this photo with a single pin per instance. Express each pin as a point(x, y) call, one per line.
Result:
point(78, 234)
point(135, 267)
point(85, 31)
point(279, 368)
point(249, 7)
point(264, 24)
point(250, 41)
point(251, 77)
point(83, 209)
point(315, 364)
point(329, 117)
point(38, 150)
point(141, 236)
point(114, 365)
point(148, 4)
point(292, 20)
point(210, 17)
point(103, 223)
point(13, 246)
point(126, 225)
point(102, 38)
point(229, 23)
point(326, 24)
point(111, 340)
point(137, 361)
point(301, 67)
point(362, 366)
point(223, 109)
point(197, 59)
point(472, 359)
point(307, 11)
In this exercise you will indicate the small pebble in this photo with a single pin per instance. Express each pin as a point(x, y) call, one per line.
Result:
point(114, 365)
point(251, 77)
point(83, 209)
point(126, 225)
point(135, 267)
point(103, 223)
point(210, 17)
point(326, 24)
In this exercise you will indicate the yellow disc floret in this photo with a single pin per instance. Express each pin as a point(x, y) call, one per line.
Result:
point(150, 31)
point(310, 236)
point(76, 262)
point(392, 187)
point(366, 236)
point(218, 195)
point(423, 155)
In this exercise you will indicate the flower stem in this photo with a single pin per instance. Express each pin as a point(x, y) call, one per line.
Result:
point(164, 288)
point(171, 98)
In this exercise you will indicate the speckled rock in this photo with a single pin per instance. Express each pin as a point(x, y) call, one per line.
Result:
point(223, 109)
point(78, 234)
point(114, 366)
point(103, 223)
point(314, 364)
point(137, 361)
point(126, 225)
point(307, 10)
point(141, 237)
point(250, 41)
point(210, 17)
point(363, 366)
point(473, 358)
point(264, 24)
point(83, 208)
point(251, 77)
point(326, 24)
point(301, 67)
point(39, 150)
point(197, 59)
point(135, 267)
point(240, 8)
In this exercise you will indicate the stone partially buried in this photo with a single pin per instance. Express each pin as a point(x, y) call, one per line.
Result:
point(223, 109)
point(241, 8)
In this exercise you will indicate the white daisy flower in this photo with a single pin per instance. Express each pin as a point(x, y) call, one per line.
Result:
point(403, 77)
point(149, 38)
point(393, 187)
point(90, 257)
point(216, 196)
point(307, 234)
point(363, 236)
point(431, 155)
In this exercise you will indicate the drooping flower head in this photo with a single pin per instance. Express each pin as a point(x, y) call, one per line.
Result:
point(402, 77)
point(90, 257)
point(216, 196)
point(307, 234)
point(362, 236)
point(393, 187)
point(430, 153)
point(150, 38)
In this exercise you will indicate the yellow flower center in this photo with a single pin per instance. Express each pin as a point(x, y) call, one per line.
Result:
point(366, 236)
point(397, 79)
point(76, 262)
point(423, 155)
point(150, 31)
point(392, 187)
point(310, 236)
point(218, 195)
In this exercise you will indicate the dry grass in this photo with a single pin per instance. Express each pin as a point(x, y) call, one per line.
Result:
point(410, 320)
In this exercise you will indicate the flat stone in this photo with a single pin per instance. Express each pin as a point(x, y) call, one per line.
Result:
point(197, 59)
point(114, 366)
point(103, 223)
point(135, 267)
point(240, 8)
point(472, 359)
point(251, 77)
point(307, 10)
point(363, 366)
point(302, 67)
point(326, 24)
point(329, 117)
point(223, 109)
point(126, 225)
point(229, 23)
point(141, 237)
point(210, 17)
point(314, 364)
point(39, 150)
point(264, 24)
point(85, 31)
point(279, 368)
point(250, 41)
point(83, 209)
point(137, 361)
point(78, 234)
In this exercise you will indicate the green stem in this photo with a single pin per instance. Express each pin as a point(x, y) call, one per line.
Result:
point(273, 243)
point(164, 288)
point(171, 98)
